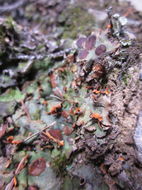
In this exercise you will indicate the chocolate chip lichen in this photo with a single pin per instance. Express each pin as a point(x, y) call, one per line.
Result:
point(93, 46)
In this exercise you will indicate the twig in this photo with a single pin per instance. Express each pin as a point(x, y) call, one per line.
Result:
point(21, 165)
point(37, 133)
point(25, 110)
point(47, 134)
point(11, 7)
point(10, 185)
point(42, 56)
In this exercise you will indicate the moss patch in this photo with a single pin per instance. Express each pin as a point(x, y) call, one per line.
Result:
point(76, 20)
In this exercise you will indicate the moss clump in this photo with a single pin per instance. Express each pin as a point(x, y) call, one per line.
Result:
point(125, 78)
point(76, 20)
point(8, 33)
point(59, 160)
point(42, 64)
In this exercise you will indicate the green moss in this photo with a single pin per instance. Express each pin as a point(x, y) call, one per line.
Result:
point(8, 27)
point(58, 160)
point(42, 64)
point(76, 20)
point(125, 78)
